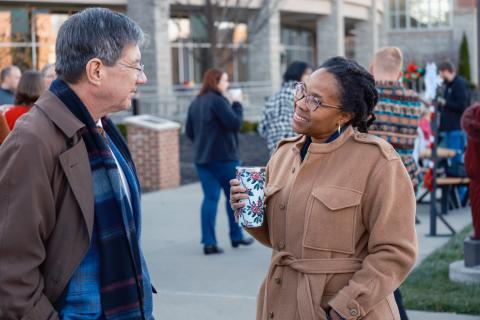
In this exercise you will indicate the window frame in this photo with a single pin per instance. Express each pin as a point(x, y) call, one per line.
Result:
point(395, 13)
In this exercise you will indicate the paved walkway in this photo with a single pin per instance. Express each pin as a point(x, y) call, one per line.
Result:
point(193, 286)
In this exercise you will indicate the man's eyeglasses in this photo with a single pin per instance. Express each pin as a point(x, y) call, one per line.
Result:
point(140, 69)
point(311, 102)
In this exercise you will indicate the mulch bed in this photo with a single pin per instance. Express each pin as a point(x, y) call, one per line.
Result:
point(253, 152)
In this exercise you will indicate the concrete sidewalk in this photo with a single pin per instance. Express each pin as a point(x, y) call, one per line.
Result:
point(193, 286)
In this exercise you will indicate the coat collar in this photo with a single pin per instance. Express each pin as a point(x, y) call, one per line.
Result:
point(324, 147)
point(59, 114)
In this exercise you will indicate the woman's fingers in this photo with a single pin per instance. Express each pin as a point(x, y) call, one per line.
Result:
point(237, 193)
point(234, 182)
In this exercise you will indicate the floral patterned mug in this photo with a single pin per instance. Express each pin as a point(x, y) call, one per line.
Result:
point(253, 180)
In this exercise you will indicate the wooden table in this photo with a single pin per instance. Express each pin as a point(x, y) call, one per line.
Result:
point(441, 153)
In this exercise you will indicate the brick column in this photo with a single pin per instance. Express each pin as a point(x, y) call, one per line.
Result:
point(331, 33)
point(264, 50)
point(154, 144)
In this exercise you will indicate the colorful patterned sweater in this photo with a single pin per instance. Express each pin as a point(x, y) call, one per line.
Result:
point(398, 114)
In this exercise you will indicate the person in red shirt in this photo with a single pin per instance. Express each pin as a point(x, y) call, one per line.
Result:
point(471, 125)
point(30, 87)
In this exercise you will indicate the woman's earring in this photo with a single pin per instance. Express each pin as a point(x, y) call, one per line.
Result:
point(339, 129)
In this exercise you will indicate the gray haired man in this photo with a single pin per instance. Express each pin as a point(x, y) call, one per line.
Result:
point(70, 219)
point(9, 79)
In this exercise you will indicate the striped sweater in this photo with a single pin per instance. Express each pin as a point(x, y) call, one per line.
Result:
point(397, 118)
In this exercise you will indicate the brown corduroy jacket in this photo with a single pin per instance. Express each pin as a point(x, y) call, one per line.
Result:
point(342, 228)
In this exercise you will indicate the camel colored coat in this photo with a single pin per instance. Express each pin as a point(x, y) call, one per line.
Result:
point(342, 228)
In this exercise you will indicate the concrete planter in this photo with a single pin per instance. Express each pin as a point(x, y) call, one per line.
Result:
point(471, 249)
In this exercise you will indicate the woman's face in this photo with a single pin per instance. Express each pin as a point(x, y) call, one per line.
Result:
point(323, 122)
point(223, 83)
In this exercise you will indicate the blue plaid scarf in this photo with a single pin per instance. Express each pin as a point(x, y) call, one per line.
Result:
point(115, 225)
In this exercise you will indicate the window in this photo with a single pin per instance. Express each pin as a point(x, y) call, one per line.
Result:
point(419, 14)
point(298, 45)
point(27, 36)
point(191, 47)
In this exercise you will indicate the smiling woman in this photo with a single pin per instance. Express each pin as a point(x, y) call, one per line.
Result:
point(339, 207)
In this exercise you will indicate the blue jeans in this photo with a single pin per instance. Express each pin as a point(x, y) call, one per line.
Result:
point(457, 141)
point(215, 176)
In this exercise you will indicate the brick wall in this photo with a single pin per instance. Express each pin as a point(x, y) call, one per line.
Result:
point(156, 156)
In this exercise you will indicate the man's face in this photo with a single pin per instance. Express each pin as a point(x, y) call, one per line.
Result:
point(123, 78)
point(13, 79)
point(445, 75)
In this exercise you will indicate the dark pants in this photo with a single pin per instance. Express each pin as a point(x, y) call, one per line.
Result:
point(401, 308)
point(214, 177)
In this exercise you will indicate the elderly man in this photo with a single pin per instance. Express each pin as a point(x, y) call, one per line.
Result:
point(69, 195)
point(9, 78)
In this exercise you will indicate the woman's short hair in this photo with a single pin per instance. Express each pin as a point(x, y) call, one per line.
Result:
point(295, 71)
point(357, 90)
point(211, 78)
point(30, 88)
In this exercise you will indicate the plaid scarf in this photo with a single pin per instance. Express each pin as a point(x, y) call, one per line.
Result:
point(115, 226)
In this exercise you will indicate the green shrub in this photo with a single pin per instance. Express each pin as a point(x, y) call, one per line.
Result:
point(464, 60)
point(123, 129)
point(249, 127)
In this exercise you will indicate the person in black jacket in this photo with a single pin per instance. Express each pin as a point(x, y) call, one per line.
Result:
point(456, 99)
point(213, 123)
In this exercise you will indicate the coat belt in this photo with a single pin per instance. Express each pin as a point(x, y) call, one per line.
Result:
point(305, 267)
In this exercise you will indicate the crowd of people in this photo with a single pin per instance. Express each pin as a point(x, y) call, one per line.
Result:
point(340, 183)
point(18, 93)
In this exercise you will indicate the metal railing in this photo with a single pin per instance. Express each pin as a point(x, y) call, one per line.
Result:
point(174, 106)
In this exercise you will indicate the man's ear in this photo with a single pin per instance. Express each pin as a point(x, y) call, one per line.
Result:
point(370, 69)
point(400, 75)
point(94, 71)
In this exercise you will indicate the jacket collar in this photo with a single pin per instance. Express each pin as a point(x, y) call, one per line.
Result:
point(59, 114)
point(324, 147)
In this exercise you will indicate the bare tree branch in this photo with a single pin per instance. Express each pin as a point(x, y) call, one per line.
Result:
point(234, 11)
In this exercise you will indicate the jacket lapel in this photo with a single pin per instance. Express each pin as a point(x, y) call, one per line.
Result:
point(76, 167)
point(74, 161)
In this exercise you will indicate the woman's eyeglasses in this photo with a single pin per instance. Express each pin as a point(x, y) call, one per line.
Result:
point(311, 102)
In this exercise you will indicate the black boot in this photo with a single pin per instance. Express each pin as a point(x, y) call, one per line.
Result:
point(212, 249)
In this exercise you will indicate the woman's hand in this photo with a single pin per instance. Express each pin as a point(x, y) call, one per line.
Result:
point(237, 193)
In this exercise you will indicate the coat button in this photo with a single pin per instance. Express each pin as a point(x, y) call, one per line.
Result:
point(282, 206)
point(281, 245)
point(354, 312)
point(270, 315)
point(278, 280)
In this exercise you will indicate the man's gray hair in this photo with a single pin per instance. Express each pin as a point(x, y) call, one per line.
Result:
point(5, 72)
point(93, 33)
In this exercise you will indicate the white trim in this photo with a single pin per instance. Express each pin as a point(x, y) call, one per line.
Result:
point(151, 122)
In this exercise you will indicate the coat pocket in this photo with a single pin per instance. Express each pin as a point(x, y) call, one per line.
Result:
point(331, 216)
